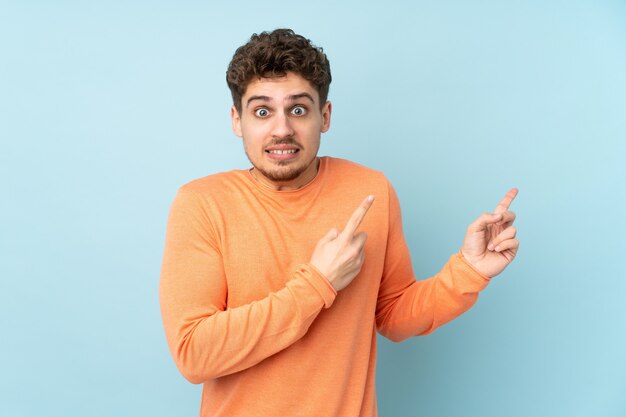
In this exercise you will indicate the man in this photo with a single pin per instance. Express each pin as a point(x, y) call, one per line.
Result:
point(269, 298)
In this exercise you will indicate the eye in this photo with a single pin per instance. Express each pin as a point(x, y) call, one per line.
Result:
point(262, 112)
point(298, 111)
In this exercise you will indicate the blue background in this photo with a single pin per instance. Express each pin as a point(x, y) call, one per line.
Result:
point(106, 108)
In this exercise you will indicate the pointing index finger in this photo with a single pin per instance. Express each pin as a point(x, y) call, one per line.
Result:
point(357, 217)
point(505, 203)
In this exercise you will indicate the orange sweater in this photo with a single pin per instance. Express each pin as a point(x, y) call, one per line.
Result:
point(246, 315)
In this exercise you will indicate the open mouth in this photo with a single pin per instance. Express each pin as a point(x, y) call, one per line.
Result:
point(281, 151)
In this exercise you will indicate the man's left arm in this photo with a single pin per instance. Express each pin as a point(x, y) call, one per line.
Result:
point(407, 307)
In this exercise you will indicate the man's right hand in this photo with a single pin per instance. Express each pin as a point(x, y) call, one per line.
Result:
point(340, 255)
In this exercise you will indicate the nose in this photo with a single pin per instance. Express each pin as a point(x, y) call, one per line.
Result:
point(282, 127)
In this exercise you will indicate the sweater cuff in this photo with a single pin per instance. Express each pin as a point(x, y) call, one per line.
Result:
point(476, 280)
point(320, 283)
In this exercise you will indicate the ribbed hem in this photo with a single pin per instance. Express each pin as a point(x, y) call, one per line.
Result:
point(478, 279)
point(320, 283)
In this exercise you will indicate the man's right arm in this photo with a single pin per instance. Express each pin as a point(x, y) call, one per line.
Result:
point(208, 340)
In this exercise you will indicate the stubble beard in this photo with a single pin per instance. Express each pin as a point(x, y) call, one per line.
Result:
point(281, 175)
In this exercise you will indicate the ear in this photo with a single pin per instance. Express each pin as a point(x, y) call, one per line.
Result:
point(236, 119)
point(326, 111)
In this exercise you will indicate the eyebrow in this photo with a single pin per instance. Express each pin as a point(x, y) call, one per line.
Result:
point(292, 97)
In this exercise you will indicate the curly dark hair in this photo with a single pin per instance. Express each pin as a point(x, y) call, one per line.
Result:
point(273, 54)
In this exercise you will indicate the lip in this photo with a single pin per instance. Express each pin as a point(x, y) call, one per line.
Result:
point(283, 154)
point(282, 151)
point(281, 147)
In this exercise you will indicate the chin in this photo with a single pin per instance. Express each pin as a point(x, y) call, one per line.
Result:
point(282, 175)
point(281, 171)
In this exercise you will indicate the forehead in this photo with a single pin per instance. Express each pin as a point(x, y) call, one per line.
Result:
point(280, 88)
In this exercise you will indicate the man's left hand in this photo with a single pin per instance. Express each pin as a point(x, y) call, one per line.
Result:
point(490, 244)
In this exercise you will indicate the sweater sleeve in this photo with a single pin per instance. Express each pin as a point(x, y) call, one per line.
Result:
point(206, 339)
point(406, 307)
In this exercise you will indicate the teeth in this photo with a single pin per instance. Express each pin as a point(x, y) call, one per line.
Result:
point(282, 152)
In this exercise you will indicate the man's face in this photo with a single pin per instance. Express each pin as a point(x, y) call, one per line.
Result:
point(281, 124)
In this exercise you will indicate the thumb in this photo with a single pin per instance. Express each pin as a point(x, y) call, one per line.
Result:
point(484, 220)
point(330, 236)
point(360, 238)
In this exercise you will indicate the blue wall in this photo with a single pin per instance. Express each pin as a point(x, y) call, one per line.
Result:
point(105, 109)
